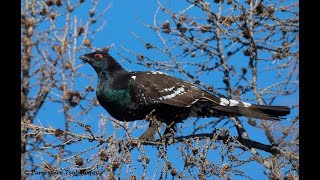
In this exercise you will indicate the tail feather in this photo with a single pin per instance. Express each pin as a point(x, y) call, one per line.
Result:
point(273, 110)
point(264, 112)
point(230, 107)
point(255, 111)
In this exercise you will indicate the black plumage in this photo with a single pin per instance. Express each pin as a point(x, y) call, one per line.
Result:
point(130, 96)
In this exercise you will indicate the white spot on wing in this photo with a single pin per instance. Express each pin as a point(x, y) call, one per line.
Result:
point(224, 102)
point(246, 104)
point(157, 72)
point(179, 91)
point(168, 89)
point(233, 102)
point(133, 77)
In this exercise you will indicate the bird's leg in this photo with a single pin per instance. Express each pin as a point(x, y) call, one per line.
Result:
point(150, 134)
point(153, 128)
point(170, 131)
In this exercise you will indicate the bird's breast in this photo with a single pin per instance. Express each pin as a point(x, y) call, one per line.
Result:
point(119, 98)
point(116, 102)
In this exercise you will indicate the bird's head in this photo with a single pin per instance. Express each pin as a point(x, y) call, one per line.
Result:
point(102, 62)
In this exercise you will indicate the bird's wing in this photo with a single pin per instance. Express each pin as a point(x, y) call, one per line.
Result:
point(156, 87)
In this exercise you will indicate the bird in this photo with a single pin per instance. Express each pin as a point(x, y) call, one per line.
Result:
point(138, 95)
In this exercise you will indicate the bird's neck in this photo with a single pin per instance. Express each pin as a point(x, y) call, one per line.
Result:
point(104, 76)
point(114, 80)
point(114, 90)
point(106, 79)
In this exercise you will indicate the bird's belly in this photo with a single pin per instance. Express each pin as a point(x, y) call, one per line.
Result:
point(123, 113)
point(116, 109)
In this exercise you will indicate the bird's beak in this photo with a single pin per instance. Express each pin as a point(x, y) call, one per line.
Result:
point(84, 58)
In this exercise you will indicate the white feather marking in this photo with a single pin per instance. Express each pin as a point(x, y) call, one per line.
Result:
point(179, 91)
point(233, 102)
point(246, 104)
point(196, 100)
point(224, 102)
point(168, 89)
point(157, 72)
point(133, 77)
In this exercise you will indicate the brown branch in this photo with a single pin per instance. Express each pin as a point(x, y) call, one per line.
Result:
point(223, 136)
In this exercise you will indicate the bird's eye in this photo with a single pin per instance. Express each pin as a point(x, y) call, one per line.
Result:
point(98, 55)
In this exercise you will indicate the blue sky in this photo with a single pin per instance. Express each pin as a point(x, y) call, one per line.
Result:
point(121, 20)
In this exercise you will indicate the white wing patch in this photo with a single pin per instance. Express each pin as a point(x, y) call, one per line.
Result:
point(224, 102)
point(134, 77)
point(157, 72)
point(167, 89)
point(232, 102)
point(246, 104)
point(179, 91)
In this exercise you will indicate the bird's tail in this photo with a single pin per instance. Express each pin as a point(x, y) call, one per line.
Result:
point(251, 110)
point(264, 111)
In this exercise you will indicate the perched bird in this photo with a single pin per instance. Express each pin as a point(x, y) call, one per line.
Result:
point(130, 96)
